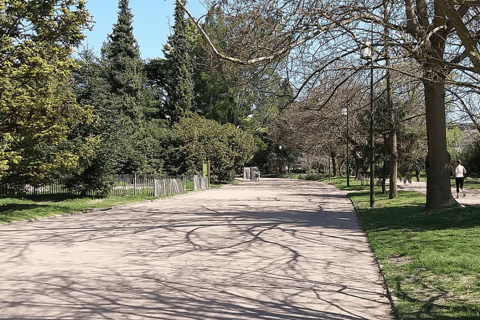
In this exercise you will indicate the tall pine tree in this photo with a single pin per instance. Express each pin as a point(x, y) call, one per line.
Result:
point(115, 85)
point(179, 86)
point(125, 68)
point(128, 97)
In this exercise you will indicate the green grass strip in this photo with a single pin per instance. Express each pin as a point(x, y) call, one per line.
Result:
point(28, 208)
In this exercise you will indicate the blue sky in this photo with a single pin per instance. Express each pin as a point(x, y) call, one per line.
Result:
point(151, 22)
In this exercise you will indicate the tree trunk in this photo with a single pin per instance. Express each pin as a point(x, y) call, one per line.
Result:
point(334, 164)
point(384, 176)
point(393, 166)
point(393, 190)
point(360, 169)
point(439, 194)
point(340, 164)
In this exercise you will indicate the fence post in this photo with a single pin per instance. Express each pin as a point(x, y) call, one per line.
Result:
point(135, 184)
point(208, 183)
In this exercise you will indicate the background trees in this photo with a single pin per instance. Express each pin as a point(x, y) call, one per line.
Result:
point(37, 106)
point(313, 36)
point(128, 133)
point(291, 67)
point(139, 105)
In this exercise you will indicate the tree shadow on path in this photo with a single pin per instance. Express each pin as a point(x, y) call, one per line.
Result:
point(193, 258)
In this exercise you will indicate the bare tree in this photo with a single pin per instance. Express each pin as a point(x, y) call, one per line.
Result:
point(308, 37)
point(319, 128)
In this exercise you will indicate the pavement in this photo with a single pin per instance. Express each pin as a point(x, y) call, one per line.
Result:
point(274, 249)
point(472, 196)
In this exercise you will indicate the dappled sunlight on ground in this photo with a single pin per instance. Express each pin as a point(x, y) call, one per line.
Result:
point(275, 249)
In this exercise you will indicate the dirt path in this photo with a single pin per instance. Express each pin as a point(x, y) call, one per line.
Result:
point(276, 249)
point(472, 196)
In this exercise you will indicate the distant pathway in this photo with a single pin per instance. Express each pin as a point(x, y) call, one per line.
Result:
point(472, 197)
point(276, 249)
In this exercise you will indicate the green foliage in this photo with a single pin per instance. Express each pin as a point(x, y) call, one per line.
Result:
point(411, 134)
point(196, 139)
point(454, 137)
point(124, 68)
point(178, 69)
point(37, 106)
point(248, 98)
point(90, 82)
point(127, 118)
point(269, 158)
point(129, 135)
point(470, 157)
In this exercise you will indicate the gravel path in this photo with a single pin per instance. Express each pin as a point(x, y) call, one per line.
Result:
point(276, 249)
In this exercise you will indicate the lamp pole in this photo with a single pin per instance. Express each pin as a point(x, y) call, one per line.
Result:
point(281, 162)
point(348, 160)
point(368, 54)
point(372, 138)
point(329, 155)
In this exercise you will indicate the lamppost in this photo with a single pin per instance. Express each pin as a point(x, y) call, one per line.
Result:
point(281, 159)
point(345, 113)
point(367, 54)
point(329, 156)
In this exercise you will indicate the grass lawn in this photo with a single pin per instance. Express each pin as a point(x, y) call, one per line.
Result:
point(341, 183)
point(431, 262)
point(16, 209)
point(470, 183)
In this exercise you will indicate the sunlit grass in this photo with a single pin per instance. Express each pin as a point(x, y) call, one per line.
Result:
point(17, 209)
point(431, 262)
point(341, 183)
point(471, 183)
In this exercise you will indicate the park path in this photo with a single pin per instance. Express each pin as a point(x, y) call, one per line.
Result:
point(276, 249)
point(472, 196)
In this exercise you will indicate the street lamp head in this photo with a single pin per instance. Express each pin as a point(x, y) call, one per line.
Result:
point(367, 51)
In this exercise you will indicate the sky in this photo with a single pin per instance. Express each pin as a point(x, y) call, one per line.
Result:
point(152, 20)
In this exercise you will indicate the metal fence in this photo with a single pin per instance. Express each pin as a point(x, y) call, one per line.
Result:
point(124, 185)
point(200, 183)
point(158, 187)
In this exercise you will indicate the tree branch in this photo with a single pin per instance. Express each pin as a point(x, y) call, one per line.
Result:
point(412, 24)
point(467, 40)
point(275, 54)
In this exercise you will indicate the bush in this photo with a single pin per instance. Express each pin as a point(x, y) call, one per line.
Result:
point(471, 159)
point(196, 139)
point(313, 176)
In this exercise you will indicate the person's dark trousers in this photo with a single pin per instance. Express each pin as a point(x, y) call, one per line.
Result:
point(459, 183)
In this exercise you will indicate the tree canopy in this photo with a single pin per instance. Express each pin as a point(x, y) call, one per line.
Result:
point(198, 139)
point(311, 39)
point(37, 106)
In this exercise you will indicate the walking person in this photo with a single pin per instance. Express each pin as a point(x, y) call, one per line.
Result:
point(460, 172)
point(417, 171)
